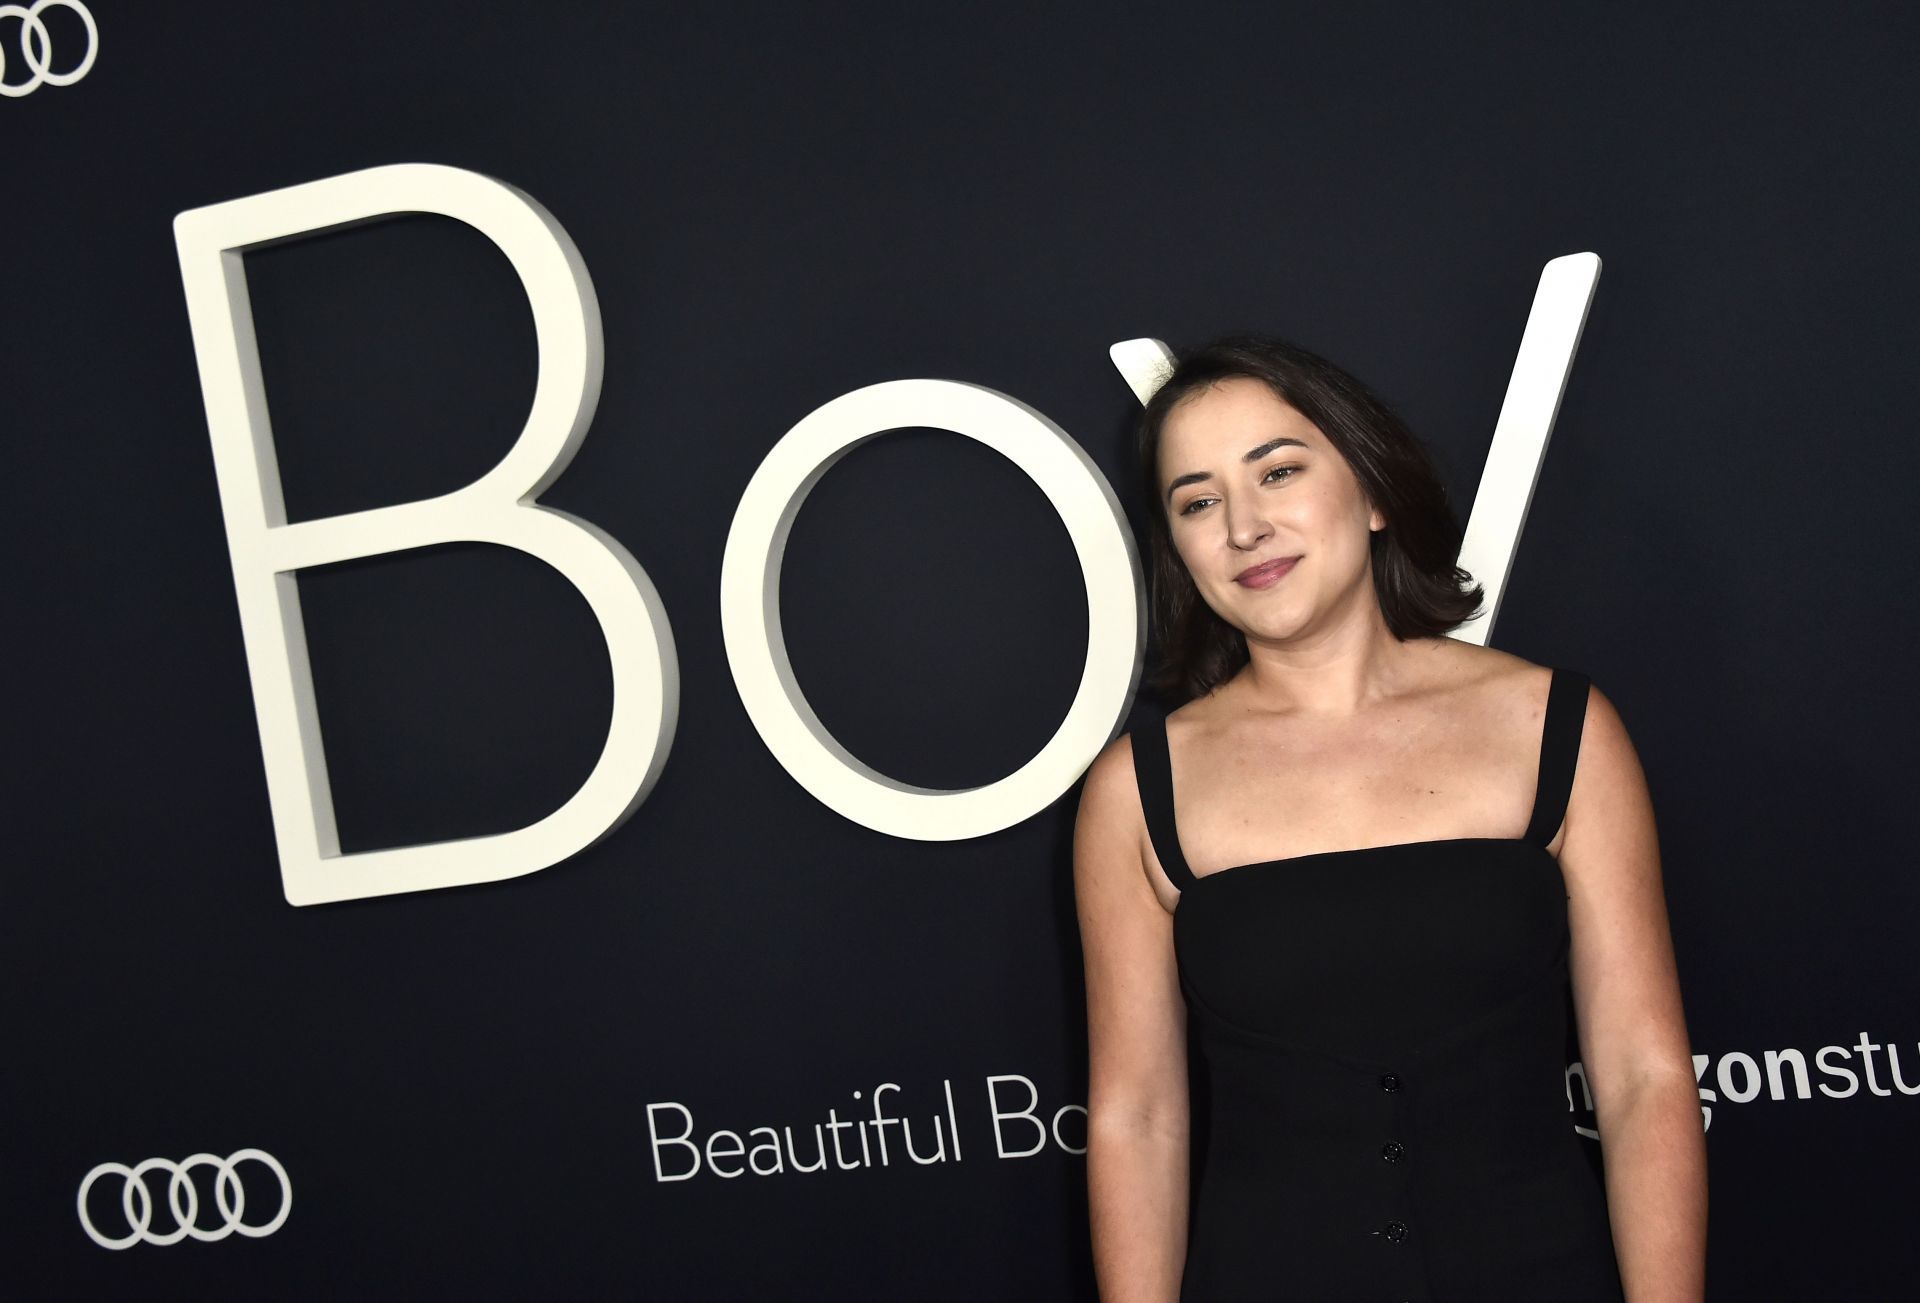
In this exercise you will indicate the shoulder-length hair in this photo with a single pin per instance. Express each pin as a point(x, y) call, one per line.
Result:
point(1422, 592)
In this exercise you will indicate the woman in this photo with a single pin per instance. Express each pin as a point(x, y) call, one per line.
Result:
point(1363, 864)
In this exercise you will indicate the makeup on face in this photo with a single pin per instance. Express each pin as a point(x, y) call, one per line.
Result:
point(1267, 573)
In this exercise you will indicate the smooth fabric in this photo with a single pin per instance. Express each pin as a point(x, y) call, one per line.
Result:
point(1378, 1048)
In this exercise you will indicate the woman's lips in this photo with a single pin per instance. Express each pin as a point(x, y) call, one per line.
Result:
point(1266, 574)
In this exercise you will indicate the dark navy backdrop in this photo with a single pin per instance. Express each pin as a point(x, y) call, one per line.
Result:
point(777, 206)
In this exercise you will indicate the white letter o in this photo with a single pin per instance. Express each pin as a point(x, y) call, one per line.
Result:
point(756, 648)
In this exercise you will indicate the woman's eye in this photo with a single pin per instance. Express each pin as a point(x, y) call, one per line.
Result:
point(1274, 475)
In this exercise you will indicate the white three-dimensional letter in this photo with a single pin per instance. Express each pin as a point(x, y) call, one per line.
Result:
point(497, 508)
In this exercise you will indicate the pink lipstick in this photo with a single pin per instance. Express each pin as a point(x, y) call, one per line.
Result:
point(1267, 573)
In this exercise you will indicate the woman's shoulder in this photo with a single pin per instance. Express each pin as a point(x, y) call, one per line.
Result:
point(1110, 825)
point(1109, 789)
point(1115, 759)
point(1471, 662)
point(1449, 679)
point(1485, 679)
point(1500, 686)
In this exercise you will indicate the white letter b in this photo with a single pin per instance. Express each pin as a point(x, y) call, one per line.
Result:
point(497, 508)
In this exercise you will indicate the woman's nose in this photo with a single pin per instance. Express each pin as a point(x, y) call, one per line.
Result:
point(1247, 526)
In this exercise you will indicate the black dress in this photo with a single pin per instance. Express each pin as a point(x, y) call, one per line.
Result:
point(1378, 1039)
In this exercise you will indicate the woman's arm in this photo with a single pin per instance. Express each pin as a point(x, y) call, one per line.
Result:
point(1137, 1120)
point(1633, 1032)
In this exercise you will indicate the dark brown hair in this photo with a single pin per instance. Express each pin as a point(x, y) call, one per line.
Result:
point(1422, 592)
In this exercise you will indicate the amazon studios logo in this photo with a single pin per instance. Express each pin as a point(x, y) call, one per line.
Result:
point(1843, 1071)
point(1737, 1077)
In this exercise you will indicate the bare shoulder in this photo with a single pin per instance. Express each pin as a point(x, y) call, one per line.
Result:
point(1111, 819)
point(1490, 682)
point(1109, 787)
point(1111, 848)
point(1609, 784)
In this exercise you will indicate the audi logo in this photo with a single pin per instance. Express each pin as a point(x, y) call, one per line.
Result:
point(183, 1199)
point(36, 47)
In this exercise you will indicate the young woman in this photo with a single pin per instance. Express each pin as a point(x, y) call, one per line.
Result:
point(1363, 864)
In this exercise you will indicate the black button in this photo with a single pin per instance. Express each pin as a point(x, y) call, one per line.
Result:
point(1393, 1151)
point(1396, 1231)
point(1390, 1082)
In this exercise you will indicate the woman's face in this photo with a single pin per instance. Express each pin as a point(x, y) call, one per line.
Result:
point(1268, 517)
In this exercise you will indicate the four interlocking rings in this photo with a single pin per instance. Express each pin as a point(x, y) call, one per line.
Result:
point(36, 47)
point(183, 1200)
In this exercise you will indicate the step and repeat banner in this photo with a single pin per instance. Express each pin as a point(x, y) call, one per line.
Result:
point(566, 564)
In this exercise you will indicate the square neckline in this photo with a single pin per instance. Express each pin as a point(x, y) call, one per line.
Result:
point(1558, 681)
point(1423, 843)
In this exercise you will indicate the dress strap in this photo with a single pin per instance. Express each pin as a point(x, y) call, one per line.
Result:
point(1559, 753)
point(1153, 773)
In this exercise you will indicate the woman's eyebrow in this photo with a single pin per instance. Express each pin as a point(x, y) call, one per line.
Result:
point(1271, 444)
point(1255, 454)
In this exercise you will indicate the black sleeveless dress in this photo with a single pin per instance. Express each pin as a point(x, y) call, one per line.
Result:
point(1378, 1044)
